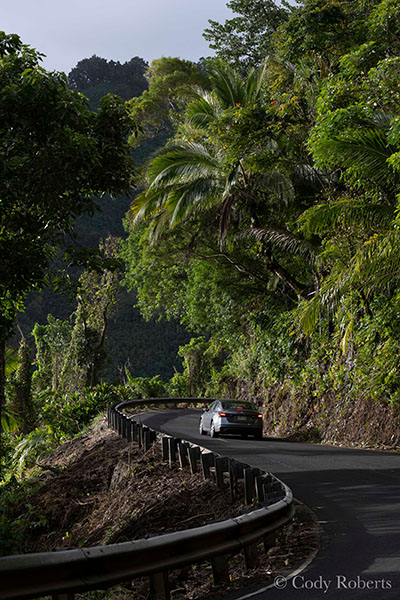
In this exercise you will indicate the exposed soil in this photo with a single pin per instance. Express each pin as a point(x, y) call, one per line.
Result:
point(98, 489)
point(291, 413)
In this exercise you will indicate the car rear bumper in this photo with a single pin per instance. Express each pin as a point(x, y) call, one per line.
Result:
point(239, 428)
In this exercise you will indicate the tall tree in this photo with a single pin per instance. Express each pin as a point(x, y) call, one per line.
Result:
point(203, 172)
point(169, 78)
point(246, 40)
point(57, 156)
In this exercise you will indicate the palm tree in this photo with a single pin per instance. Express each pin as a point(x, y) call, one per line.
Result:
point(371, 262)
point(365, 155)
point(182, 179)
point(189, 176)
point(196, 175)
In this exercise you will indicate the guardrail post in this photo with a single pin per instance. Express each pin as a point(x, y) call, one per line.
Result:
point(248, 485)
point(171, 451)
point(220, 569)
point(259, 485)
point(125, 427)
point(139, 429)
point(220, 468)
point(159, 587)
point(194, 456)
point(112, 417)
point(207, 460)
point(146, 438)
point(118, 423)
point(251, 556)
point(182, 454)
point(233, 477)
point(164, 448)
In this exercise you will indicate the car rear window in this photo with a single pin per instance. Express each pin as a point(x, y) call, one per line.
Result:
point(247, 405)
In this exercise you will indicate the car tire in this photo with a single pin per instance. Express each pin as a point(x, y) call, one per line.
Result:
point(258, 435)
point(201, 430)
point(213, 433)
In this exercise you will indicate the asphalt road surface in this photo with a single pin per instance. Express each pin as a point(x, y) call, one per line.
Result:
point(354, 493)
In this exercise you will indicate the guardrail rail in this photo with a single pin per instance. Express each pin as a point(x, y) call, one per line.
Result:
point(64, 573)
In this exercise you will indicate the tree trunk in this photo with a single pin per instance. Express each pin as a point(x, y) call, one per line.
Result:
point(284, 275)
point(2, 378)
point(23, 385)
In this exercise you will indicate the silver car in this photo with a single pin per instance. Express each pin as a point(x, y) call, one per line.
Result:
point(231, 416)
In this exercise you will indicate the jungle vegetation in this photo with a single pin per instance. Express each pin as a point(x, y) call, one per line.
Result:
point(268, 224)
point(266, 220)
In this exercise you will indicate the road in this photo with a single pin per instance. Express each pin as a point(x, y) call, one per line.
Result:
point(354, 493)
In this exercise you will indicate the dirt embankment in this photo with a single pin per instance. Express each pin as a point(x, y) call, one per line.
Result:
point(100, 490)
point(293, 413)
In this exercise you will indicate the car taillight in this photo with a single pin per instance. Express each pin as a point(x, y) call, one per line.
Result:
point(258, 417)
point(222, 414)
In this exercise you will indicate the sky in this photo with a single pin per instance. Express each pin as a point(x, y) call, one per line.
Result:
point(69, 30)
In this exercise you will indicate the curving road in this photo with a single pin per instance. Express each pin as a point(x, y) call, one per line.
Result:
point(354, 493)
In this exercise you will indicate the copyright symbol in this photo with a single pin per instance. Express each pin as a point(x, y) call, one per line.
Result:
point(280, 582)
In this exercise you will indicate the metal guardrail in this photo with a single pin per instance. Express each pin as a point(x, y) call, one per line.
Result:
point(77, 570)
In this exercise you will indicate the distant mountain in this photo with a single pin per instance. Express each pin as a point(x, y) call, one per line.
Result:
point(95, 77)
point(147, 348)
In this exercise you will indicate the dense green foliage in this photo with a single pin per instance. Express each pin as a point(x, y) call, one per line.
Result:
point(269, 222)
point(169, 81)
point(246, 39)
point(128, 335)
point(96, 77)
point(57, 156)
point(267, 225)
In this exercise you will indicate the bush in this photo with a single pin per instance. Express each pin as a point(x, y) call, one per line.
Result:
point(17, 516)
point(67, 414)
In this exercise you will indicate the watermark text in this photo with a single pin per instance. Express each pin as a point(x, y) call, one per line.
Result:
point(340, 582)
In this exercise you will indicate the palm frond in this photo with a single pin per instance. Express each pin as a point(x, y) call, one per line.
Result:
point(323, 217)
point(277, 183)
point(254, 82)
point(12, 361)
point(180, 163)
point(159, 223)
point(374, 268)
point(363, 153)
point(203, 110)
point(381, 119)
point(146, 204)
point(377, 263)
point(309, 315)
point(228, 85)
point(194, 196)
point(9, 420)
point(310, 174)
point(32, 447)
point(283, 240)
